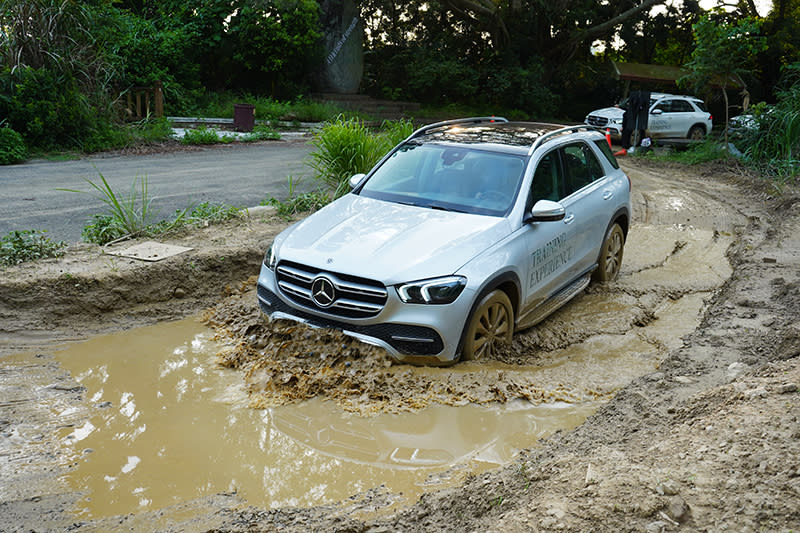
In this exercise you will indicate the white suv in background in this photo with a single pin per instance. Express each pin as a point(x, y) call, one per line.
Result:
point(671, 117)
point(467, 231)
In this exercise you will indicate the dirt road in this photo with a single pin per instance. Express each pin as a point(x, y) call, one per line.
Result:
point(237, 174)
point(699, 430)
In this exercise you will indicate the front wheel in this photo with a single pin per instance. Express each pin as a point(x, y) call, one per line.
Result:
point(490, 327)
point(610, 260)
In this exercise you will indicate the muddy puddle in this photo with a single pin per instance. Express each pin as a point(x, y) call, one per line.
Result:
point(167, 424)
point(284, 416)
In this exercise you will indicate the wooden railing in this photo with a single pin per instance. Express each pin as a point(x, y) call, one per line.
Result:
point(143, 102)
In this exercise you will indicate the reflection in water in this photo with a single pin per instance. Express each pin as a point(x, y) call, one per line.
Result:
point(171, 426)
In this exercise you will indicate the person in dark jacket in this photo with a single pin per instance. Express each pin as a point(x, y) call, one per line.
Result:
point(637, 110)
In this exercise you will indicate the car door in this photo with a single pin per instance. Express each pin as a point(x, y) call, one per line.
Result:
point(585, 204)
point(683, 117)
point(550, 244)
point(660, 123)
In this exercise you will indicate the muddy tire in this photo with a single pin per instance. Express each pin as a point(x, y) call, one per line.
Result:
point(696, 133)
point(490, 327)
point(610, 260)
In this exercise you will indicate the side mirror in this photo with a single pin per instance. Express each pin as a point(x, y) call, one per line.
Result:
point(545, 211)
point(656, 112)
point(355, 179)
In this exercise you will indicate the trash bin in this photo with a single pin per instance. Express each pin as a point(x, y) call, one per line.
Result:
point(244, 117)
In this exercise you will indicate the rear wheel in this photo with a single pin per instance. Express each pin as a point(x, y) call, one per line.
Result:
point(610, 260)
point(696, 133)
point(490, 327)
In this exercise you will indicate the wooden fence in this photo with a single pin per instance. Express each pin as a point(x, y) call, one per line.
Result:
point(143, 102)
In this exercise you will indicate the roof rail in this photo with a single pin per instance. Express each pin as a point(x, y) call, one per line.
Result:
point(471, 120)
point(561, 131)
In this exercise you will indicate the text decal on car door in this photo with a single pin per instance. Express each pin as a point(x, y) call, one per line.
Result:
point(549, 258)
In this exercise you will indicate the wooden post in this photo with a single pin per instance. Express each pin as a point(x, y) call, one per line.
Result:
point(159, 99)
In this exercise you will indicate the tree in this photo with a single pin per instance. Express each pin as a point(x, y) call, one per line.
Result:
point(724, 55)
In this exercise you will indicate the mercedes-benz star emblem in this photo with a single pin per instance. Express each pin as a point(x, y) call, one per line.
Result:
point(322, 292)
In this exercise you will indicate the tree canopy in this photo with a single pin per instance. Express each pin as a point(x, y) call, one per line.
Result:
point(538, 59)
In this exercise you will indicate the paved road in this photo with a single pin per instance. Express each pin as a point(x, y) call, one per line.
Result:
point(241, 175)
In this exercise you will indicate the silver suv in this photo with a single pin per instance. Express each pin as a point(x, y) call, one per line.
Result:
point(466, 231)
point(671, 117)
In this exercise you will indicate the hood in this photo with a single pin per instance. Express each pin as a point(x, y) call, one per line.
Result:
point(608, 112)
point(390, 242)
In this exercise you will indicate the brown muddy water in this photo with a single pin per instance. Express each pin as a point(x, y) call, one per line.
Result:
point(166, 424)
point(170, 425)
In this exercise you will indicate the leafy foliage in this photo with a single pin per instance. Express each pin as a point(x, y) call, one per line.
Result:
point(262, 132)
point(12, 147)
point(57, 69)
point(346, 147)
point(130, 214)
point(724, 55)
point(301, 203)
point(205, 135)
point(775, 144)
point(206, 213)
point(19, 246)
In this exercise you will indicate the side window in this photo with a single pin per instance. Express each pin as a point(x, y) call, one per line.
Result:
point(665, 106)
point(681, 106)
point(606, 150)
point(581, 166)
point(548, 181)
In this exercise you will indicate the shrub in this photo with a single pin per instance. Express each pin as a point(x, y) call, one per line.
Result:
point(129, 214)
point(19, 246)
point(204, 135)
point(262, 132)
point(307, 201)
point(207, 213)
point(48, 109)
point(12, 147)
point(346, 147)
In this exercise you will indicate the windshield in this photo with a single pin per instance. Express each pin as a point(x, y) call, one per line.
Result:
point(453, 178)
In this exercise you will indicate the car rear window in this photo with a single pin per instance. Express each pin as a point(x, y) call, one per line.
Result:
point(603, 145)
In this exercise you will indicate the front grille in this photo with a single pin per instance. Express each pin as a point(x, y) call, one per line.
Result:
point(350, 297)
point(599, 122)
point(405, 338)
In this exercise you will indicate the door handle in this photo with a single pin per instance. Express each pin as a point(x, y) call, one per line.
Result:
point(569, 218)
point(608, 194)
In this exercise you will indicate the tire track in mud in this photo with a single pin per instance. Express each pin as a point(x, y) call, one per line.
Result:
point(675, 259)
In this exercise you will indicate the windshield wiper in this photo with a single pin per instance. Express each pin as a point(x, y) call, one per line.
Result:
point(439, 207)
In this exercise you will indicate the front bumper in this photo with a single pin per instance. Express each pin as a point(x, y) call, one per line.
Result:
point(406, 331)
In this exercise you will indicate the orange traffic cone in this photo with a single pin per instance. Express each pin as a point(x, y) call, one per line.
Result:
point(608, 137)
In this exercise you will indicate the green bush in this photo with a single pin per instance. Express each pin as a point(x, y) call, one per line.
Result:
point(207, 213)
point(262, 132)
point(347, 146)
point(19, 246)
point(47, 108)
point(220, 104)
point(307, 201)
point(204, 135)
point(102, 229)
point(12, 147)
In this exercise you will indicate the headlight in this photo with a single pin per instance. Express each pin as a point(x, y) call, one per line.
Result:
point(616, 121)
point(432, 291)
point(270, 259)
